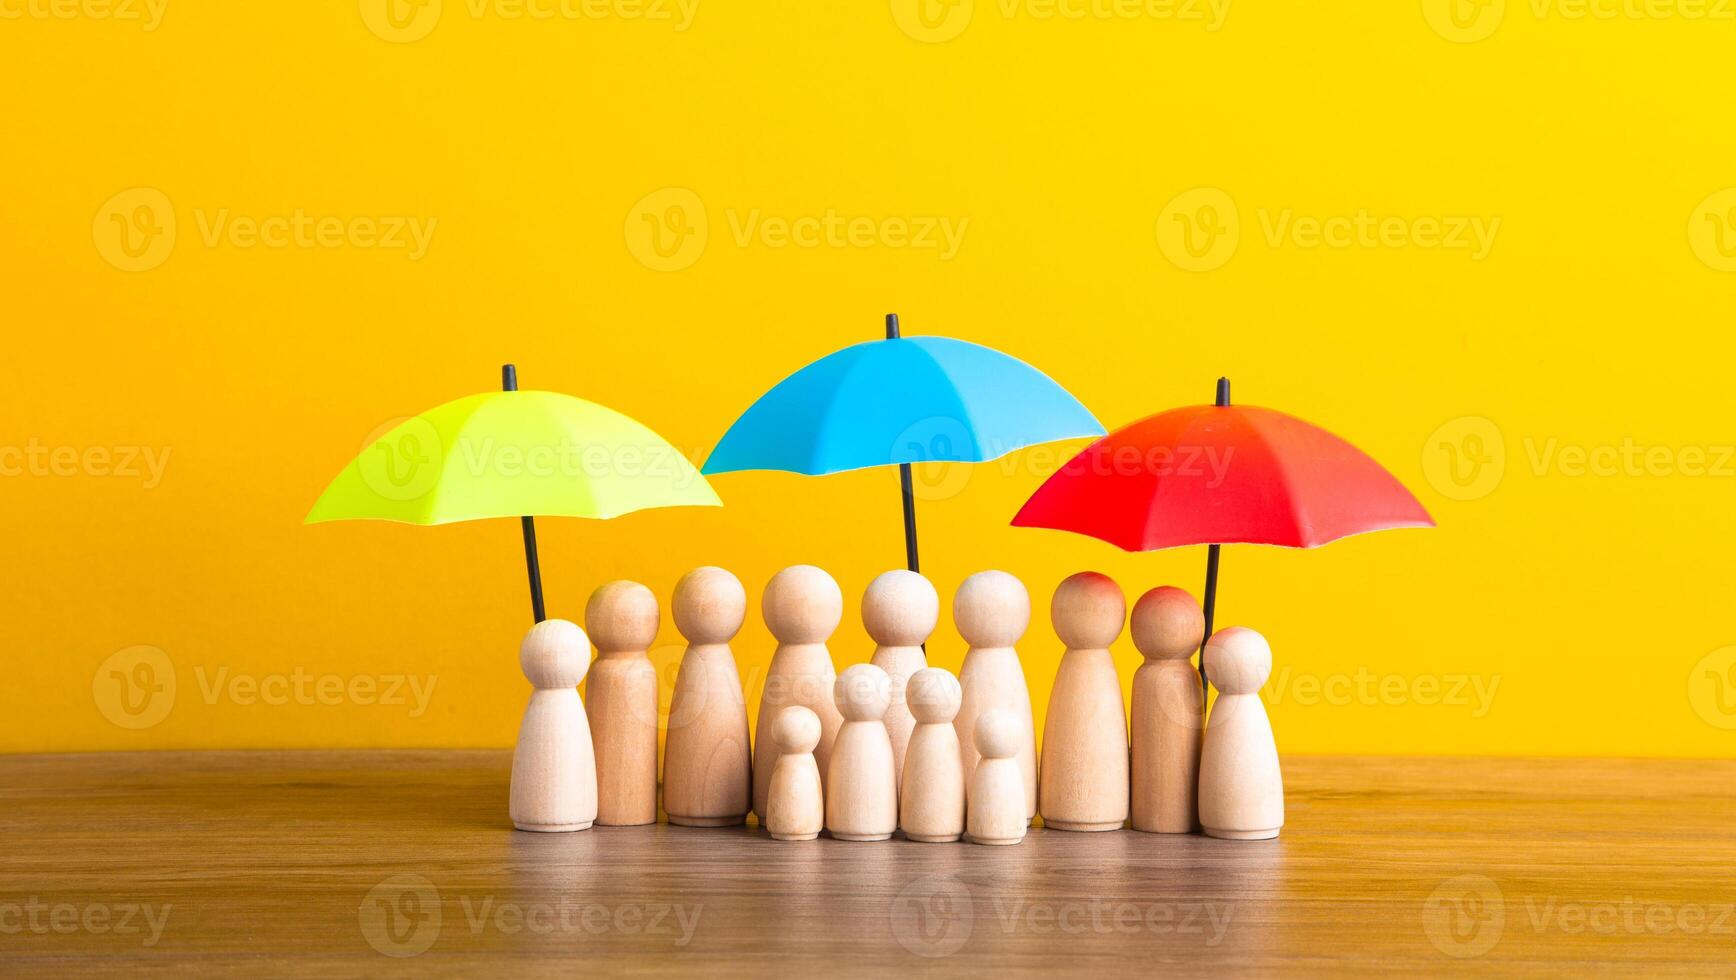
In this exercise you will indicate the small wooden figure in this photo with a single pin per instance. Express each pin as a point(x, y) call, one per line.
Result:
point(997, 800)
point(1084, 772)
point(862, 790)
point(1168, 712)
point(802, 606)
point(707, 762)
point(992, 611)
point(554, 774)
point(795, 803)
point(621, 700)
point(1241, 787)
point(899, 611)
point(931, 796)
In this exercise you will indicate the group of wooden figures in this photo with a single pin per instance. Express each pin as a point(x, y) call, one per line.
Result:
point(894, 744)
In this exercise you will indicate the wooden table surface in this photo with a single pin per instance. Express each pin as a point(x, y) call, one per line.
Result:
point(403, 863)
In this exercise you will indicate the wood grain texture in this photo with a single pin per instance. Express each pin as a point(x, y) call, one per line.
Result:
point(288, 864)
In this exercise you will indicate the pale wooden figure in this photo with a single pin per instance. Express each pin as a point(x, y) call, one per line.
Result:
point(862, 789)
point(621, 700)
point(992, 611)
point(795, 803)
point(707, 760)
point(1241, 787)
point(802, 606)
point(899, 611)
point(554, 774)
point(1168, 712)
point(931, 796)
point(1084, 771)
point(997, 802)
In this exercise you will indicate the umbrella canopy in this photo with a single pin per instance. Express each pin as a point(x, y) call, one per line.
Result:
point(1221, 474)
point(513, 453)
point(900, 401)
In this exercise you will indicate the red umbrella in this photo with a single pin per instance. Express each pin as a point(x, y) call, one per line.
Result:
point(1217, 475)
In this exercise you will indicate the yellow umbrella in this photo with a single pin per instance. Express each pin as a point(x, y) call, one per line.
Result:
point(513, 453)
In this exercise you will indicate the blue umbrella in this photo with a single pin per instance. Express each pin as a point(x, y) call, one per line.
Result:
point(901, 400)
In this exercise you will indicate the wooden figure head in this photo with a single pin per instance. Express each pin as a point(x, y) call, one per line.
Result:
point(863, 693)
point(709, 605)
point(991, 609)
point(796, 730)
point(1167, 624)
point(555, 654)
point(900, 609)
point(802, 604)
point(622, 615)
point(1088, 611)
point(933, 695)
point(997, 735)
point(1238, 660)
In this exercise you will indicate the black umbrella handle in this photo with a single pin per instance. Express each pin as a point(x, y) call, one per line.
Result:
point(509, 382)
point(1212, 554)
point(904, 480)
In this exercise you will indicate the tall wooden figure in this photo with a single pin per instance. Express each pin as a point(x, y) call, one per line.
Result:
point(795, 804)
point(1084, 771)
point(1241, 788)
point(996, 814)
point(899, 611)
point(621, 699)
point(862, 789)
point(802, 606)
point(554, 774)
point(992, 611)
point(707, 762)
point(1168, 710)
point(931, 793)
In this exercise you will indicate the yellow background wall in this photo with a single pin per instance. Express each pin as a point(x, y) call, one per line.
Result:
point(1556, 391)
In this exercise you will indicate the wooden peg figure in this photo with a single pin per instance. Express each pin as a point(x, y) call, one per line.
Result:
point(1084, 771)
point(795, 803)
point(802, 606)
point(554, 774)
point(992, 611)
point(1168, 712)
point(931, 795)
point(1241, 787)
point(862, 790)
point(899, 611)
point(621, 700)
point(996, 811)
point(707, 762)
